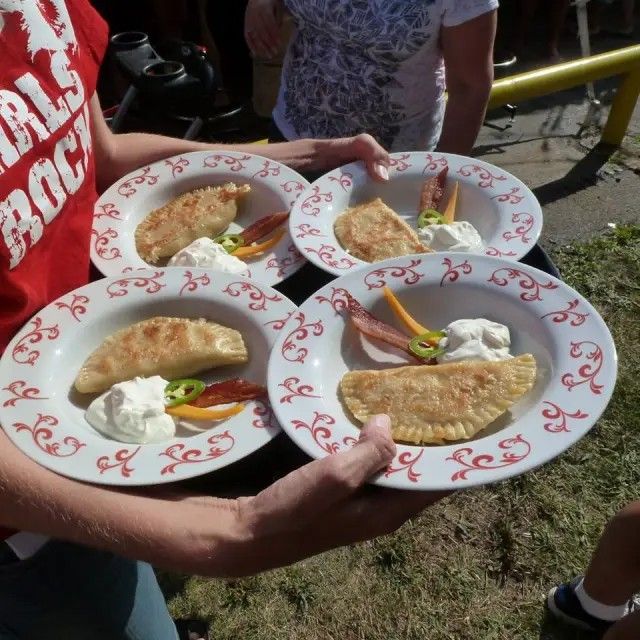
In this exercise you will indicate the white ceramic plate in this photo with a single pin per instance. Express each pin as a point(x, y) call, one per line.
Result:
point(44, 417)
point(274, 187)
point(573, 348)
point(503, 210)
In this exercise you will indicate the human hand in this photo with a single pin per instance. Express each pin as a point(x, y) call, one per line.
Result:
point(333, 153)
point(323, 505)
point(262, 22)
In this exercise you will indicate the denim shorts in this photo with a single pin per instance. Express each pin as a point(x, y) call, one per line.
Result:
point(69, 592)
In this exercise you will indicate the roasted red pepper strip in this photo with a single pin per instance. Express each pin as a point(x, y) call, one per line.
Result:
point(262, 227)
point(232, 390)
point(371, 326)
point(432, 191)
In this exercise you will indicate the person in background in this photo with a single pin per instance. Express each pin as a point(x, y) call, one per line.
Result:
point(627, 24)
point(73, 555)
point(555, 12)
point(602, 600)
point(379, 66)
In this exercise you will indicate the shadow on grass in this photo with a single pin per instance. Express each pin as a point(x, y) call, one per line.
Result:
point(552, 629)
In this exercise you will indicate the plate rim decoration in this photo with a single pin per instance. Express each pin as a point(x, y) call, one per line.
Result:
point(34, 418)
point(580, 384)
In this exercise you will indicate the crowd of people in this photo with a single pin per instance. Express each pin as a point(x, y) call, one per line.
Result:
point(358, 80)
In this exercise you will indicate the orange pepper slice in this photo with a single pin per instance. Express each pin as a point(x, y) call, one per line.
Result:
point(403, 315)
point(190, 412)
point(449, 213)
point(253, 249)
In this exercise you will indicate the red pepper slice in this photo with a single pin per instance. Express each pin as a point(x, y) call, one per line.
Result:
point(432, 191)
point(232, 390)
point(262, 227)
point(371, 326)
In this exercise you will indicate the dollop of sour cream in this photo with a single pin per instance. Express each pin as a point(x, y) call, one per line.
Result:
point(204, 252)
point(457, 236)
point(478, 339)
point(133, 411)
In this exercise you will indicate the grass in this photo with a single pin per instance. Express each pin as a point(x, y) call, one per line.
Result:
point(479, 564)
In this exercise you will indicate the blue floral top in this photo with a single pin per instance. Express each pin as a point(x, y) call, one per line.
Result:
point(368, 66)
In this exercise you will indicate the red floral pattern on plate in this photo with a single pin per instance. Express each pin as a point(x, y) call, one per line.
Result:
point(492, 251)
point(320, 431)
point(268, 169)
point(559, 417)
point(121, 461)
point(563, 315)
point(42, 434)
point(454, 271)
point(434, 164)
point(293, 186)
point(101, 243)
point(345, 180)
point(487, 462)
point(406, 463)
point(485, 177)
point(525, 222)
point(127, 188)
point(77, 306)
point(587, 372)
point(282, 264)
point(264, 418)
point(511, 197)
point(290, 350)
point(257, 296)
point(325, 253)
point(400, 164)
point(276, 325)
point(296, 390)
point(20, 391)
point(150, 284)
point(221, 443)
point(231, 162)
point(192, 283)
point(108, 210)
point(177, 166)
point(22, 353)
point(339, 299)
point(307, 230)
point(377, 278)
point(530, 286)
point(308, 206)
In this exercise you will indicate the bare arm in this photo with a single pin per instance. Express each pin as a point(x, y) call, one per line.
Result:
point(468, 60)
point(315, 508)
point(118, 154)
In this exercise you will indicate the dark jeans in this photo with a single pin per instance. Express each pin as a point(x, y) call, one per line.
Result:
point(69, 592)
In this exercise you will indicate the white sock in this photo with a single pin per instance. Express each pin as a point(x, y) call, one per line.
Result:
point(597, 609)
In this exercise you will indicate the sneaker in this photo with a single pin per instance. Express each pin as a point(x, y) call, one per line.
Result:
point(563, 603)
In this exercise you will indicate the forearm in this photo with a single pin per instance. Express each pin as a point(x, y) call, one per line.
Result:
point(172, 534)
point(465, 111)
point(133, 150)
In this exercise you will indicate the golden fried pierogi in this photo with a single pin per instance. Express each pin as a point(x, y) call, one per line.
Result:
point(373, 232)
point(168, 347)
point(432, 404)
point(198, 213)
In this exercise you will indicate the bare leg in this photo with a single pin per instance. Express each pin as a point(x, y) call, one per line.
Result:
point(558, 14)
point(626, 629)
point(613, 575)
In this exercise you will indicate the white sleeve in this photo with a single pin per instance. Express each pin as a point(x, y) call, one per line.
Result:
point(459, 11)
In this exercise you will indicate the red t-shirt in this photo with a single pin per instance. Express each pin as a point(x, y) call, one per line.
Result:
point(50, 53)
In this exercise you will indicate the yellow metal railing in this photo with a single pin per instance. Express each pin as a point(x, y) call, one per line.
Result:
point(541, 82)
